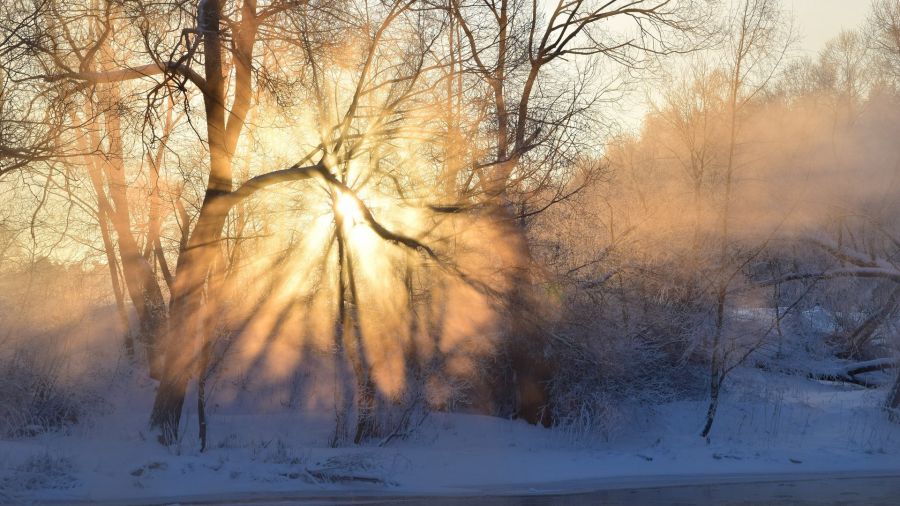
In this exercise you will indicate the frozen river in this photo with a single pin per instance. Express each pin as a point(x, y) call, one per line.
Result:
point(833, 491)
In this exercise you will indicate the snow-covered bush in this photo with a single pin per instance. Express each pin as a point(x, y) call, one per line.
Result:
point(609, 380)
point(634, 350)
point(40, 472)
point(33, 399)
point(60, 338)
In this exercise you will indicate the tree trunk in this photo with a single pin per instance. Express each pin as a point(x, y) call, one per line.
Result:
point(185, 334)
point(113, 264)
point(713, 405)
point(343, 391)
point(530, 369)
point(716, 363)
point(864, 333)
point(188, 334)
point(893, 401)
point(366, 400)
point(140, 280)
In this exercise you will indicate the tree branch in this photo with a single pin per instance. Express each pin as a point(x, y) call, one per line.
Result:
point(131, 73)
point(858, 272)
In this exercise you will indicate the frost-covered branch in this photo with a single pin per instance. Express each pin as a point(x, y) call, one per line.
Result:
point(852, 272)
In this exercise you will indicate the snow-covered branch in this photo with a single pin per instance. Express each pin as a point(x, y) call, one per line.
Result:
point(844, 254)
point(851, 272)
point(848, 373)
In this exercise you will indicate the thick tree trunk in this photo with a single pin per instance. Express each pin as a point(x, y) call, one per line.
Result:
point(520, 387)
point(189, 336)
point(532, 374)
point(185, 334)
point(531, 365)
point(530, 368)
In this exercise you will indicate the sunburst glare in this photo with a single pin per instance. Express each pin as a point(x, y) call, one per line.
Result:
point(348, 209)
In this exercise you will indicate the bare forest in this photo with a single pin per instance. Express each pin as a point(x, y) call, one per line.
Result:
point(265, 245)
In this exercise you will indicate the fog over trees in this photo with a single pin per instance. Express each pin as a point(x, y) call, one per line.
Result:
point(372, 212)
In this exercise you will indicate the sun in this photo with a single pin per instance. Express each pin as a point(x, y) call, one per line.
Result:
point(348, 208)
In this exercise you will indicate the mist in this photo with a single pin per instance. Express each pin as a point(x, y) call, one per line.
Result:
point(284, 247)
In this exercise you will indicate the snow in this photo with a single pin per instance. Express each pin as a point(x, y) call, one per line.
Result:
point(771, 425)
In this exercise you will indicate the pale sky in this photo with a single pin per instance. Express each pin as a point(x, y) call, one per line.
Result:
point(819, 20)
point(815, 21)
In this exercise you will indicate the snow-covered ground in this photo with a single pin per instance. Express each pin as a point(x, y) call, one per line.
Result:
point(770, 425)
point(774, 423)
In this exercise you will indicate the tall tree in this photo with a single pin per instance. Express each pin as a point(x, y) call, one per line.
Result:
point(757, 45)
point(514, 49)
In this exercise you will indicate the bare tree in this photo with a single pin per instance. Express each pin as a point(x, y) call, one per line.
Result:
point(758, 43)
point(884, 38)
point(514, 48)
point(695, 109)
